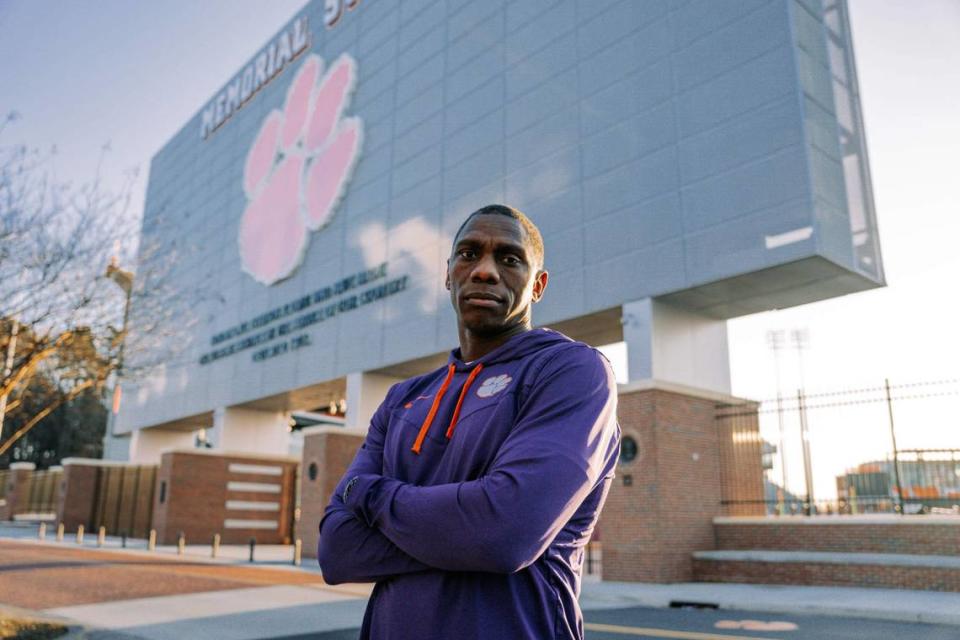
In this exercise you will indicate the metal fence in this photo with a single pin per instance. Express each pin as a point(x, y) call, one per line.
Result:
point(889, 448)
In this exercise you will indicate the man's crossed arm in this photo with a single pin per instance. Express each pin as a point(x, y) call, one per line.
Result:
point(555, 455)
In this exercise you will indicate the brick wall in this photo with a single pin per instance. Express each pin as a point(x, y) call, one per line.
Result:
point(238, 496)
point(852, 575)
point(17, 494)
point(327, 452)
point(78, 487)
point(662, 504)
point(891, 534)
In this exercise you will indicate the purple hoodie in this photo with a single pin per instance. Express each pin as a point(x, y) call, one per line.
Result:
point(477, 488)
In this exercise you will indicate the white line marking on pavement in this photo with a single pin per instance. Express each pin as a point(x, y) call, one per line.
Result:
point(664, 633)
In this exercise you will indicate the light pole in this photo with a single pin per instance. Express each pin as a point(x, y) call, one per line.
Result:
point(775, 342)
point(801, 339)
point(123, 279)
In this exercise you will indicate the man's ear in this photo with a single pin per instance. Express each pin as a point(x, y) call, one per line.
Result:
point(540, 284)
point(446, 277)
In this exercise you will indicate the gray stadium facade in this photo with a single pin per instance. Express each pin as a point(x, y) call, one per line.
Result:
point(687, 161)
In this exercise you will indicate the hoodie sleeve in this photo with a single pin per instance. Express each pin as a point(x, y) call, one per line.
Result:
point(563, 445)
point(349, 550)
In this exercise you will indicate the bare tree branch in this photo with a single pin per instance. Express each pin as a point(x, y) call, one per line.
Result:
point(56, 242)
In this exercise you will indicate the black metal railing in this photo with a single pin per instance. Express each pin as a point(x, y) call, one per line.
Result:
point(853, 451)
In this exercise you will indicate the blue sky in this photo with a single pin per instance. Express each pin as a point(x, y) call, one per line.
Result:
point(90, 72)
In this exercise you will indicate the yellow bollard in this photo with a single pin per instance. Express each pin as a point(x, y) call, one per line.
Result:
point(60, 531)
point(42, 533)
point(80, 534)
point(152, 540)
point(101, 536)
point(297, 550)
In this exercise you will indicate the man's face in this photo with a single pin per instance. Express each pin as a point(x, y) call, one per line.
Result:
point(493, 275)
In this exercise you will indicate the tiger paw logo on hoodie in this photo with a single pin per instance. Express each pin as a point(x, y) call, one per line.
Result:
point(493, 385)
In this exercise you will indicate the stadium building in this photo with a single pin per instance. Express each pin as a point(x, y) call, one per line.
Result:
point(687, 161)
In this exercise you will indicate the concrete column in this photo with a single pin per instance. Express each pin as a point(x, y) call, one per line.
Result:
point(147, 445)
point(241, 430)
point(669, 344)
point(116, 447)
point(365, 392)
point(18, 489)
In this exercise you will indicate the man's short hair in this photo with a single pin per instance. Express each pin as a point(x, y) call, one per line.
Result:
point(533, 233)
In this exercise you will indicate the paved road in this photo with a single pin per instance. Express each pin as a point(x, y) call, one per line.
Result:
point(639, 622)
point(45, 577)
point(155, 597)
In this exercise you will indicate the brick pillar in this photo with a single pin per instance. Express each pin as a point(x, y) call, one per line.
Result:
point(240, 496)
point(662, 504)
point(327, 452)
point(78, 493)
point(18, 489)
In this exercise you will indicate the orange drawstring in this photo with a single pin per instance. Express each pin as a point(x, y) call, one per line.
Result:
point(433, 410)
point(463, 394)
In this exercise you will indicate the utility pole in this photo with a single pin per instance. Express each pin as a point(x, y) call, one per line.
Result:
point(8, 369)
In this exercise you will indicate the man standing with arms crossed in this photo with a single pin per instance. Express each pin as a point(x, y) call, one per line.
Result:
point(479, 484)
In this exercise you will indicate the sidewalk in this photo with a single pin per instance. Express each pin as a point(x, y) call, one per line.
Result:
point(288, 610)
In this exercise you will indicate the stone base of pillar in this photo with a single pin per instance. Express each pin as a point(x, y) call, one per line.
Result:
point(327, 452)
point(662, 503)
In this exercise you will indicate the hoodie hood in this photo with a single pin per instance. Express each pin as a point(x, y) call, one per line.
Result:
point(517, 347)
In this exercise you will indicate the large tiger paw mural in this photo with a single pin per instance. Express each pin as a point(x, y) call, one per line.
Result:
point(298, 168)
